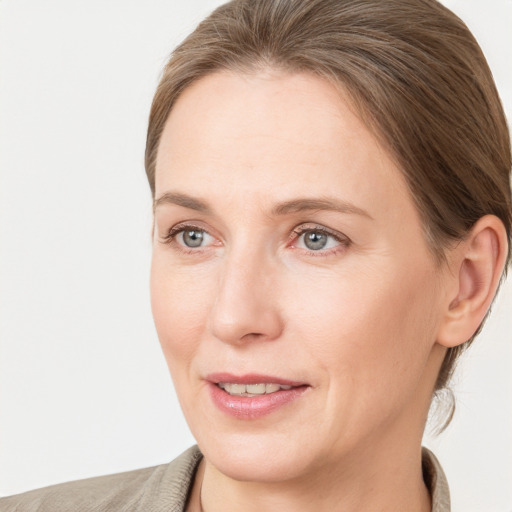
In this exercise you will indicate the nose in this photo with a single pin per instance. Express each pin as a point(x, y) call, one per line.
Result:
point(246, 306)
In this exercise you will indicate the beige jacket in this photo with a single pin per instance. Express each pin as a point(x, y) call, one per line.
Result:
point(162, 488)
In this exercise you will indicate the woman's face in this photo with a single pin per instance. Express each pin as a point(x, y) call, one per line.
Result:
point(288, 252)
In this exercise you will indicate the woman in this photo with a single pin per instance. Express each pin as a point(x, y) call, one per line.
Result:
point(332, 203)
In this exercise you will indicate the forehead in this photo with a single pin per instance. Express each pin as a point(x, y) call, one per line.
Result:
point(273, 134)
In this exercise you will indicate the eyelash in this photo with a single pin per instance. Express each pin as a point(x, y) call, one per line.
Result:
point(343, 241)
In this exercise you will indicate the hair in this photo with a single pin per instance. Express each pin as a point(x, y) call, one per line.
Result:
point(416, 76)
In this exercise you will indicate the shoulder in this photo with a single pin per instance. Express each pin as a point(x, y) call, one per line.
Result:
point(154, 489)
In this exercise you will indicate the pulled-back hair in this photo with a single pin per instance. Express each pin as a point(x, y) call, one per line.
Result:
point(415, 75)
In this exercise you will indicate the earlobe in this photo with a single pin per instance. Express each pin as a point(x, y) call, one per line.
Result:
point(477, 266)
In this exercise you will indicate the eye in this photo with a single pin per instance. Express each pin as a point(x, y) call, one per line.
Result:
point(314, 240)
point(317, 239)
point(193, 237)
point(189, 237)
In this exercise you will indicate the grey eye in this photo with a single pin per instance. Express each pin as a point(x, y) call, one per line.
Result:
point(315, 240)
point(193, 237)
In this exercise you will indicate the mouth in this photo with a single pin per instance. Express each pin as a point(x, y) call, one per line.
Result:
point(252, 389)
point(252, 396)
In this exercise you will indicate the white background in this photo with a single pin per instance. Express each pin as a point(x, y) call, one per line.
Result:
point(84, 389)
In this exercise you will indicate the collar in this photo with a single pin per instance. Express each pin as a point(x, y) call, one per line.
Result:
point(436, 482)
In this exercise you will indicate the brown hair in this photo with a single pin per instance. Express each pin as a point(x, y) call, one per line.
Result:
point(415, 74)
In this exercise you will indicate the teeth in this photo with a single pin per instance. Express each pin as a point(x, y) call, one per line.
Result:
point(257, 389)
point(251, 389)
point(238, 389)
point(270, 388)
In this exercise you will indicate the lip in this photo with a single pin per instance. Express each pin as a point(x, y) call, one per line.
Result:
point(251, 408)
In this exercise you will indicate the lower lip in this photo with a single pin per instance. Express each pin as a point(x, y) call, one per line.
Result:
point(253, 407)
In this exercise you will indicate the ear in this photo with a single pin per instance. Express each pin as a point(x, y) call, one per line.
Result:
point(477, 265)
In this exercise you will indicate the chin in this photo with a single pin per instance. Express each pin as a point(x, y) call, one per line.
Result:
point(257, 458)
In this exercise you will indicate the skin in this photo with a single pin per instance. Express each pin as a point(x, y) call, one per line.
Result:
point(364, 322)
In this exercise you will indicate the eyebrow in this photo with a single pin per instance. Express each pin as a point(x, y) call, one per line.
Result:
point(293, 206)
point(301, 205)
point(183, 200)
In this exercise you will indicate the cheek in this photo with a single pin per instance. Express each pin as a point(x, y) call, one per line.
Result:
point(368, 325)
point(180, 305)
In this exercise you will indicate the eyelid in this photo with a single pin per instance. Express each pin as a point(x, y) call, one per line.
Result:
point(304, 227)
point(185, 226)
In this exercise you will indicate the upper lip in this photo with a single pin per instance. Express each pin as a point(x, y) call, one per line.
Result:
point(251, 378)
